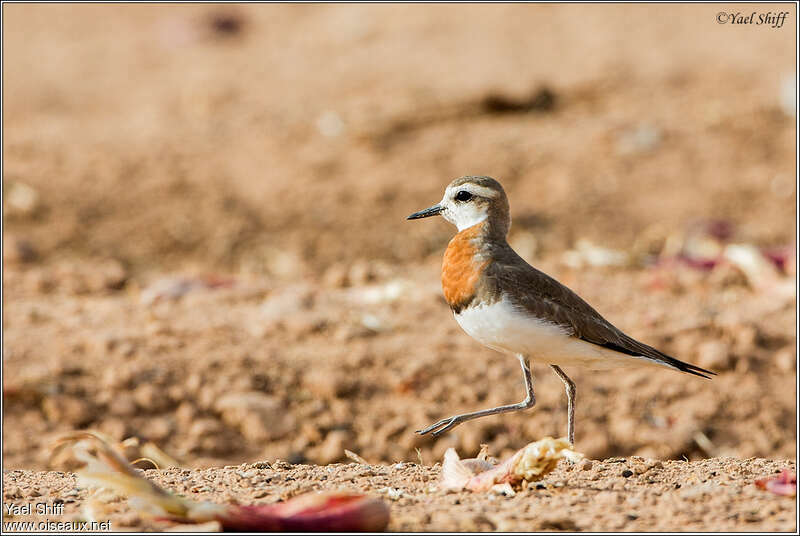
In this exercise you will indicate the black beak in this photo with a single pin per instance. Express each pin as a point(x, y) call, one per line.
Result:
point(428, 212)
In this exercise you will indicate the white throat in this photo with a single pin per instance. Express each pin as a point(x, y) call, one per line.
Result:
point(463, 216)
point(466, 223)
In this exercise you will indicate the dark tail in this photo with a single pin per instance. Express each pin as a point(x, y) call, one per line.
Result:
point(639, 349)
point(687, 367)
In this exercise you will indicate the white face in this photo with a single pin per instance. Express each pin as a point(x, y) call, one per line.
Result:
point(465, 210)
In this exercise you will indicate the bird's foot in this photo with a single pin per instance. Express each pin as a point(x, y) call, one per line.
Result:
point(441, 427)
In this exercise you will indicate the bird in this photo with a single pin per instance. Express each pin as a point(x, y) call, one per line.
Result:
point(511, 307)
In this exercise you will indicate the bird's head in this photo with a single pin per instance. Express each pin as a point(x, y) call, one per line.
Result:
point(471, 200)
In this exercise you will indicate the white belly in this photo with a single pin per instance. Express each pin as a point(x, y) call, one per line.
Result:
point(504, 328)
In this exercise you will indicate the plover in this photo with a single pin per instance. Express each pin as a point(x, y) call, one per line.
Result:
point(510, 306)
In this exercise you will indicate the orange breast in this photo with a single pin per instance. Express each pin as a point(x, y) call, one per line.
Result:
point(460, 269)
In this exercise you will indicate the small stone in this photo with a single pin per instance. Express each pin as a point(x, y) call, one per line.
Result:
point(329, 384)
point(627, 473)
point(127, 349)
point(122, 405)
point(640, 468)
point(332, 449)
point(20, 200)
point(296, 458)
point(67, 409)
point(176, 393)
point(714, 355)
point(159, 429)
point(786, 359)
point(752, 516)
point(558, 522)
point(17, 250)
point(111, 275)
point(586, 465)
point(788, 94)
point(361, 273)
point(185, 414)
point(258, 417)
point(114, 427)
point(745, 339)
point(336, 276)
point(40, 282)
point(303, 324)
point(330, 124)
point(150, 398)
point(205, 427)
point(13, 493)
point(639, 139)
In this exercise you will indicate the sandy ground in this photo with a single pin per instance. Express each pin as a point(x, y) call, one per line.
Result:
point(709, 495)
point(205, 246)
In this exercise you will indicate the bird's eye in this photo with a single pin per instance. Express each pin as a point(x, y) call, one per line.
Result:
point(463, 195)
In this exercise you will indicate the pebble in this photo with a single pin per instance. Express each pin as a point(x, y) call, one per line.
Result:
point(361, 273)
point(640, 139)
point(67, 409)
point(788, 94)
point(17, 250)
point(714, 355)
point(336, 276)
point(150, 398)
point(328, 384)
point(20, 199)
point(332, 448)
point(122, 405)
point(13, 493)
point(159, 429)
point(258, 417)
point(786, 359)
point(246, 474)
point(330, 124)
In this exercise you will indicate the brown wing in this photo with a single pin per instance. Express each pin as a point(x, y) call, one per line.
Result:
point(546, 298)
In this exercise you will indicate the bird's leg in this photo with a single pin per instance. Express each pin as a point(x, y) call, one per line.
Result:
point(451, 422)
point(569, 385)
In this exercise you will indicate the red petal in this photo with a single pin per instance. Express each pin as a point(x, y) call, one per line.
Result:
point(311, 512)
point(783, 484)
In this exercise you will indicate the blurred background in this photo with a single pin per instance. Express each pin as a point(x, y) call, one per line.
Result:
point(205, 246)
